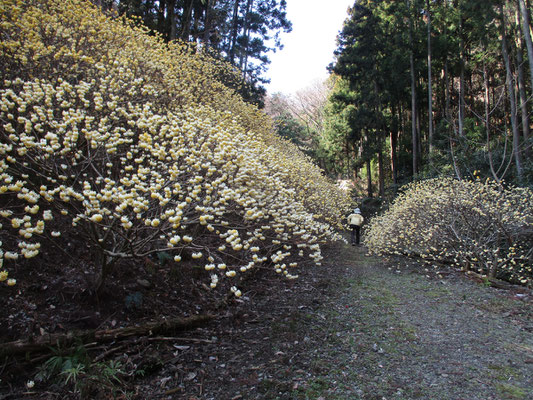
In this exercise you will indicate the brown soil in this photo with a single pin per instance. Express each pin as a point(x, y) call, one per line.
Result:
point(356, 327)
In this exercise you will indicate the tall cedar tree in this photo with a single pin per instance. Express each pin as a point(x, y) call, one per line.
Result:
point(243, 32)
point(465, 62)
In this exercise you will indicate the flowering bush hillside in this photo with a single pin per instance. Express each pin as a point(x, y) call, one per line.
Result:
point(108, 133)
point(477, 226)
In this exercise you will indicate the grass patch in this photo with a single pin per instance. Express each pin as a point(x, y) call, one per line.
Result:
point(508, 391)
point(503, 372)
point(317, 386)
point(499, 304)
point(405, 332)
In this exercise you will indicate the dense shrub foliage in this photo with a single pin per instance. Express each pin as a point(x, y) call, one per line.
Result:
point(109, 133)
point(474, 225)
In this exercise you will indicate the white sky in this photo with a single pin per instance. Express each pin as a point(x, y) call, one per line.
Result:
point(309, 47)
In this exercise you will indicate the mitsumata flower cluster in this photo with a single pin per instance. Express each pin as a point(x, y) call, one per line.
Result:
point(474, 225)
point(108, 132)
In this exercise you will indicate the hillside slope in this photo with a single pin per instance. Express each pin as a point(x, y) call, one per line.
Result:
point(134, 148)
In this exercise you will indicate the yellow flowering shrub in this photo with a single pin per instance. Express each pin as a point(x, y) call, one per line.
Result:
point(136, 145)
point(474, 225)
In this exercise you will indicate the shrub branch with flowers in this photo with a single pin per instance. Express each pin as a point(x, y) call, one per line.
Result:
point(109, 133)
point(475, 225)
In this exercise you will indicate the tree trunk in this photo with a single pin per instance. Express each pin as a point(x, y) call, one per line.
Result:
point(186, 20)
point(461, 118)
point(171, 10)
point(522, 87)
point(162, 21)
point(454, 159)
point(106, 267)
point(210, 4)
point(430, 91)
point(419, 135)
point(369, 178)
point(447, 110)
point(393, 137)
point(486, 121)
point(196, 20)
point(234, 31)
point(527, 36)
point(356, 174)
point(381, 172)
point(512, 99)
point(414, 135)
point(243, 60)
point(528, 7)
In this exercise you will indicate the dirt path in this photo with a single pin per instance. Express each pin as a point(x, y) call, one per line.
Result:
point(364, 330)
point(360, 329)
point(355, 328)
point(398, 334)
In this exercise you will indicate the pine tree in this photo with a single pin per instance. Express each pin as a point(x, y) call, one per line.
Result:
point(441, 80)
point(243, 32)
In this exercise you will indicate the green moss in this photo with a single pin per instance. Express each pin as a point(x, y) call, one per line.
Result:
point(503, 372)
point(508, 391)
point(404, 332)
point(318, 385)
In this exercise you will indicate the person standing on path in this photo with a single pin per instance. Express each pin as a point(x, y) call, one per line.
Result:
point(355, 220)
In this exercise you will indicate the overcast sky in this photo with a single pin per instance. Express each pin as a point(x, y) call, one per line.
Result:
point(309, 47)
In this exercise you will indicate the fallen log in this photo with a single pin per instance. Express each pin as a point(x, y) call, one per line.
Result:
point(497, 283)
point(44, 342)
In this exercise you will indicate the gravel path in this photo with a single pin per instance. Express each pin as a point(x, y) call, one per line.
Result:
point(405, 335)
point(361, 328)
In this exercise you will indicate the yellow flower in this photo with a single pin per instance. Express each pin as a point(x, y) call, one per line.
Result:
point(96, 218)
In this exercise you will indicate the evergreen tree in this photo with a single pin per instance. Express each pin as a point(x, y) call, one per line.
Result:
point(443, 81)
point(242, 32)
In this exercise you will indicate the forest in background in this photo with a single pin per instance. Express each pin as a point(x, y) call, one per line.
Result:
point(421, 89)
point(242, 32)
